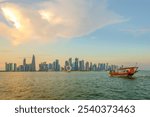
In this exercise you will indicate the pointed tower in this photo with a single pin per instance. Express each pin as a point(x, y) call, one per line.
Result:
point(24, 64)
point(24, 61)
point(33, 66)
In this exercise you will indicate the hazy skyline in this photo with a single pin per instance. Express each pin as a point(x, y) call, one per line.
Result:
point(103, 31)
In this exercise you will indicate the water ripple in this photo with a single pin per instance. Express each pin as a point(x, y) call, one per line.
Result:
point(74, 85)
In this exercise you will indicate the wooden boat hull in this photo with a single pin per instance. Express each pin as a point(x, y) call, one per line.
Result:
point(120, 75)
point(127, 72)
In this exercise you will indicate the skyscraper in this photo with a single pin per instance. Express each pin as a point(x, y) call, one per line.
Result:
point(66, 64)
point(76, 64)
point(57, 65)
point(91, 66)
point(81, 65)
point(87, 67)
point(94, 67)
point(70, 62)
point(24, 61)
point(15, 67)
point(10, 67)
point(24, 64)
point(6, 67)
point(33, 66)
point(54, 66)
point(43, 66)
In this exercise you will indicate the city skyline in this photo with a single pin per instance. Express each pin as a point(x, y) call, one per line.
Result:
point(116, 32)
point(75, 65)
point(23, 67)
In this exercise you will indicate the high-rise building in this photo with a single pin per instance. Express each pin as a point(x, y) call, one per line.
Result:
point(24, 65)
point(98, 67)
point(15, 67)
point(54, 66)
point(76, 64)
point(24, 61)
point(6, 67)
point(91, 66)
point(94, 67)
point(20, 68)
point(106, 67)
point(73, 66)
point(102, 66)
point(57, 68)
point(10, 67)
point(70, 62)
point(50, 66)
point(33, 66)
point(43, 66)
point(66, 65)
point(81, 65)
point(87, 67)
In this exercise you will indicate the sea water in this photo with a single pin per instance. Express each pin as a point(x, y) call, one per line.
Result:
point(73, 86)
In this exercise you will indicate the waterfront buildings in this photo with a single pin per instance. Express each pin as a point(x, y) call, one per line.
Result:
point(27, 67)
point(24, 67)
point(43, 66)
point(10, 67)
point(75, 65)
point(81, 65)
point(55, 66)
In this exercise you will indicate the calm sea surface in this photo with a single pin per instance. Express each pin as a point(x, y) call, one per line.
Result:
point(73, 85)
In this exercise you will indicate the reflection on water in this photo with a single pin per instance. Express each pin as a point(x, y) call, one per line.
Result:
point(73, 85)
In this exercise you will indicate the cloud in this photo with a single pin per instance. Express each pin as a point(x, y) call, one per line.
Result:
point(54, 19)
point(138, 31)
point(22, 1)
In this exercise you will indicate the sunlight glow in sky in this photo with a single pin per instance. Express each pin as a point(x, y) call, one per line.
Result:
point(10, 16)
point(116, 32)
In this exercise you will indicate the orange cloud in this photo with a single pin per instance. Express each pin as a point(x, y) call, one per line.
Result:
point(49, 21)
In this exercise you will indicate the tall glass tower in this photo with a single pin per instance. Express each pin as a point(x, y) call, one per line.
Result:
point(76, 64)
point(33, 66)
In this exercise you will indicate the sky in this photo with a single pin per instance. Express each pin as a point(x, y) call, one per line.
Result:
point(101, 31)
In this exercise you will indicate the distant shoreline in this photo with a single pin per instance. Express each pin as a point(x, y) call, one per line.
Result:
point(47, 71)
point(53, 71)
